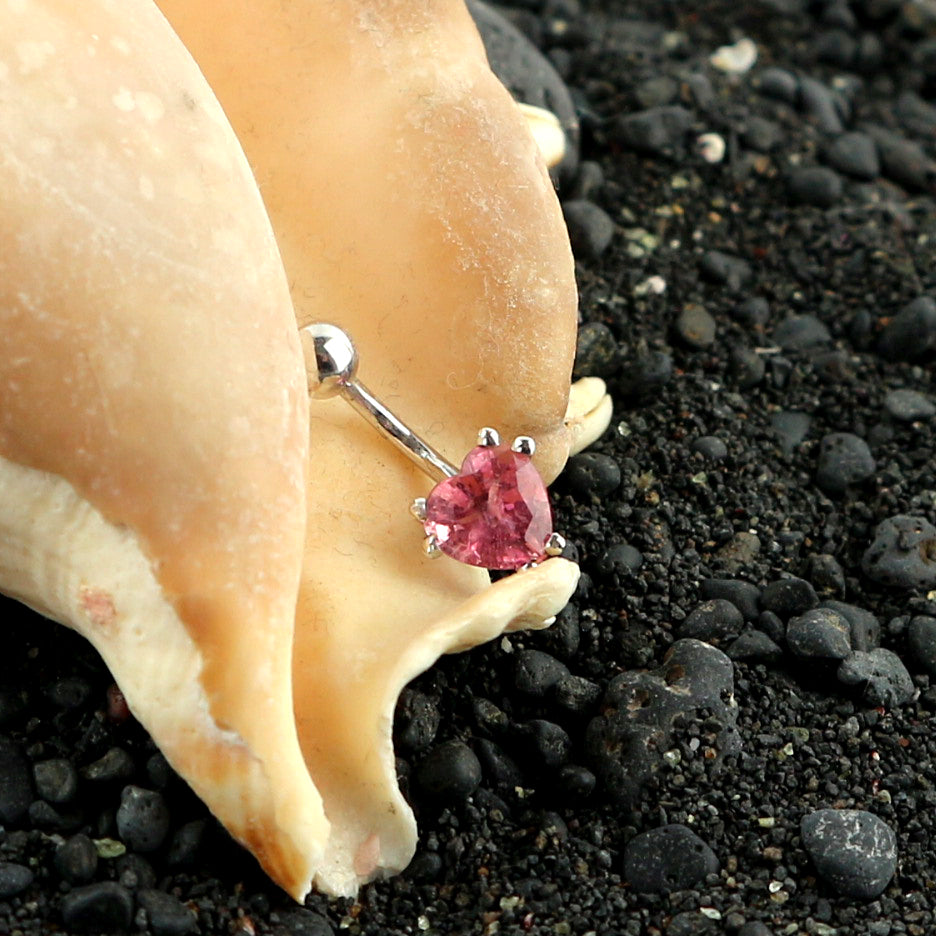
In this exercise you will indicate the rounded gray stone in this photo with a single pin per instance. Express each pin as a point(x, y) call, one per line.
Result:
point(854, 851)
point(668, 858)
point(881, 674)
point(902, 553)
point(844, 459)
point(819, 634)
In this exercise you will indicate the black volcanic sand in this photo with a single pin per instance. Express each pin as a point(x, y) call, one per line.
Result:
point(755, 440)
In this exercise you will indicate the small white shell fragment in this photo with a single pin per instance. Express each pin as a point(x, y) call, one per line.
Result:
point(735, 59)
point(589, 412)
point(651, 286)
point(547, 131)
point(711, 147)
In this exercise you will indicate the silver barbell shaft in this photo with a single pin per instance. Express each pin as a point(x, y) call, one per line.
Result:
point(331, 359)
point(370, 408)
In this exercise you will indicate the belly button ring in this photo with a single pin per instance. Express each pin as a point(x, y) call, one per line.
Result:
point(492, 512)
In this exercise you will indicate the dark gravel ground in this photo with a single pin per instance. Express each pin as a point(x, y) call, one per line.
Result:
point(729, 729)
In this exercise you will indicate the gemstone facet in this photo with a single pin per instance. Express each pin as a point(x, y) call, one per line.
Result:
point(494, 513)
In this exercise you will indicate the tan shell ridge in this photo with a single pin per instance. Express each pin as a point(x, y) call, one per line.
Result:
point(153, 411)
point(412, 207)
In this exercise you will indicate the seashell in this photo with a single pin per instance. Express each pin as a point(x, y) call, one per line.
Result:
point(547, 132)
point(158, 465)
point(153, 407)
point(412, 207)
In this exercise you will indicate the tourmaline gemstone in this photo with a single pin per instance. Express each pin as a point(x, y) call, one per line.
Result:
point(494, 513)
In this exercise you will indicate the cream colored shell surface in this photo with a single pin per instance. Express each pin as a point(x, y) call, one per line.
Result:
point(152, 386)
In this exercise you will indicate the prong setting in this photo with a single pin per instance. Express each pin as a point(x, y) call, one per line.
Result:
point(418, 509)
point(488, 437)
point(431, 547)
point(523, 445)
point(555, 544)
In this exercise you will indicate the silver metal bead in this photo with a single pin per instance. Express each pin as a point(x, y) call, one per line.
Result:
point(418, 509)
point(555, 544)
point(523, 445)
point(488, 437)
point(330, 359)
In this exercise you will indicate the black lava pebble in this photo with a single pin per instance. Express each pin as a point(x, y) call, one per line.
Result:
point(788, 596)
point(56, 780)
point(826, 574)
point(905, 161)
point(596, 354)
point(657, 131)
point(302, 922)
point(798, 332)
point(536, 672)
point(714, 621)
point(16, 791)
point(14, 879)
point(76, 859)
point(142, 818)
point(791, 428)
point(911, 333)
point(844, 460)
point(747, 366)
point(70, 692)
point(908, 405)
point(726, 269)
point(778, 83)
point(819, 634)
point(902, 553)
point(114, 764)
point(621, 558)
point(865, 627)
point(821, 104)
point(668, 858)
point(761, 134)
point(576, 782)
point(105, 907)
point(590, 228)
point(755, 928)
point(449, 773)
point(882, 676)
point(694, 327)
point(499, 769)
point(921, 641)
point(815, 185)
point(576, 693)
point(167, 915)
point(754, 646)
point(745, 596)
point(771, 624)
point(711, 448)
point(592, 474)
point(646, 374)
point(544, 743)
point(854, 851)
point(753, 311)
point(855, 154)
point(416, 722)
point(185, 844)
point(626, 742)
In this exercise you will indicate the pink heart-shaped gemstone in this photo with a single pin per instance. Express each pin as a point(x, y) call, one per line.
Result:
point(494, 513)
